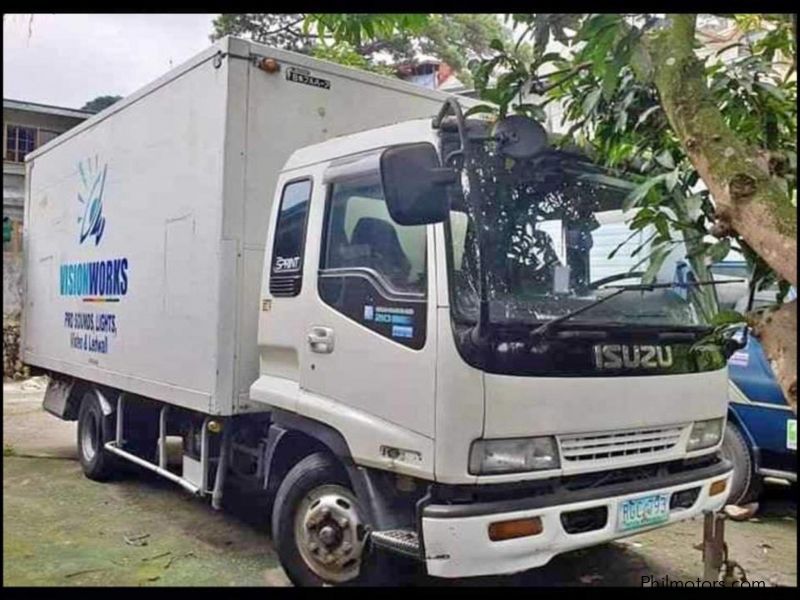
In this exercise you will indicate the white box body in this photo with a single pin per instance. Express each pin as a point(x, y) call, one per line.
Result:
point(151, 217)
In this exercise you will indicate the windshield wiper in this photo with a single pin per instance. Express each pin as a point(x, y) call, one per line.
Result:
point(620, 289)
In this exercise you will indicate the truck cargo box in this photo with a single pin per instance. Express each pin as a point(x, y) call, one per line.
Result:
point(145, 225)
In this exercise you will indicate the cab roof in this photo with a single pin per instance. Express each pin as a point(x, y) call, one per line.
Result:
point(404, 132)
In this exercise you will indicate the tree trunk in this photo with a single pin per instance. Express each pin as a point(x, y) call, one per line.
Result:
point(778, 334)
point(746, 198)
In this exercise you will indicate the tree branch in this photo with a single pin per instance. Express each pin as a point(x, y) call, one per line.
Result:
point(570, 73)
point(287, 28)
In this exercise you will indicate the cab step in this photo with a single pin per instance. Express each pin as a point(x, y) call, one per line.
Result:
point(402, 541)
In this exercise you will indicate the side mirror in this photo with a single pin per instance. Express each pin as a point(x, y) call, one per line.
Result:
point(415, 184)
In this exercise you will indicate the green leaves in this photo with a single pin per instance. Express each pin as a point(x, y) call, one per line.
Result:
point(718, 251)
point(727, 317)
point(609, 85)
point(511, 75)
point(638, 194)
point(590, 101)
point(656, 262)
point(665, 159)
point(531, 110)
point(643, 117)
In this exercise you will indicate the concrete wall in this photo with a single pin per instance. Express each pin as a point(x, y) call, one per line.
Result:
point(12, 284)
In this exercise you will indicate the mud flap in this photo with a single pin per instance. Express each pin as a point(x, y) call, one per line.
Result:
point(56, 398)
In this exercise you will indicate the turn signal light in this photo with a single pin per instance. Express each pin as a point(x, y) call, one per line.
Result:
point(717, 487)
point(508, 530)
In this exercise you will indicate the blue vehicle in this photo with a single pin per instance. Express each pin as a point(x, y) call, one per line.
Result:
point(761, 436)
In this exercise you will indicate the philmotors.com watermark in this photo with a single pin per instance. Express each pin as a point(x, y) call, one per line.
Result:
point(667, 581)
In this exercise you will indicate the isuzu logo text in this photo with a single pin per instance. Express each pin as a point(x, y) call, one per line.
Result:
point(619, 356)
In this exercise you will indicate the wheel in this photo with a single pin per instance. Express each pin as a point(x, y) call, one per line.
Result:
point(94, 430)
point(745, 483)
point(319, 528)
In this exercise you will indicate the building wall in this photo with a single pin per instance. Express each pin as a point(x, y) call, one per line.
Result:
point(48, 125)
point(12, 284)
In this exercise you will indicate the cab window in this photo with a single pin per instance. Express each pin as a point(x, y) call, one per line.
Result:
point(372, 269)
point(286, 272)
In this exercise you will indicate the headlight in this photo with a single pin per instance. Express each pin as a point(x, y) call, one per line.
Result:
point(490, 457)
point(705, 434)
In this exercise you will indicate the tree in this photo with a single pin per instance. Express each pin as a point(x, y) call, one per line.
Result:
point(100, 103)
point(714, 142)
point(278, 30)
point(388, 39)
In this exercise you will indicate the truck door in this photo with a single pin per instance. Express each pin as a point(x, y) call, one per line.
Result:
point(370, 337)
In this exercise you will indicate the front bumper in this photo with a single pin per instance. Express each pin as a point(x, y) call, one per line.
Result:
point(457, 544)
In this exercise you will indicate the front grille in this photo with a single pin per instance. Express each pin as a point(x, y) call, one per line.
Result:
point(615, 444)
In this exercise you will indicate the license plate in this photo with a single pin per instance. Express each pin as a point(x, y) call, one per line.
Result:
point(643, 512)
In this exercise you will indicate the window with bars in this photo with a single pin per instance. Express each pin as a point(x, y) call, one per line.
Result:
point(19, 142)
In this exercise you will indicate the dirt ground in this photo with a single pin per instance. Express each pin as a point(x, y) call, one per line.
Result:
point(62, 529)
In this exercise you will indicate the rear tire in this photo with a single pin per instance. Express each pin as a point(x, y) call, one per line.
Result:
point(94, 430)
point(746, 484)
point(314, 483)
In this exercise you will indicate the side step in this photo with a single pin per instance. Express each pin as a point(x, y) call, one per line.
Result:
point(198, 488)
point(402, 541)
point(186, 484)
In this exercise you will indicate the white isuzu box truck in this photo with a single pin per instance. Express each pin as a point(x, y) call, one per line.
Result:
point(404, 328)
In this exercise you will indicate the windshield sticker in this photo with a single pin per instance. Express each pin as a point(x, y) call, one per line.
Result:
point(395, 310)
point(740, 358)
point(402, 331)
point(791, 434)
point(394, 314)
point(304, 76)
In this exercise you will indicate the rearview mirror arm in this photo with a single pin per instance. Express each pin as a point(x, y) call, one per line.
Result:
point(452, 105)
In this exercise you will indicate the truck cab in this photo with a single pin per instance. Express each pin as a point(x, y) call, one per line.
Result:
point(444, 311)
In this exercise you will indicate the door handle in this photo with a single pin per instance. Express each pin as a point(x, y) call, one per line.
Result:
point(321, 340)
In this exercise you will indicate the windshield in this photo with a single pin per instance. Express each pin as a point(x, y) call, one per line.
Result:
point(555, 237)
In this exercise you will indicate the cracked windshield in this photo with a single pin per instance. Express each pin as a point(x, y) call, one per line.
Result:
point(556, 237)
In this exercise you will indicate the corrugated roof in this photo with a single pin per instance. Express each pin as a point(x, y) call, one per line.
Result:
point(46, 109)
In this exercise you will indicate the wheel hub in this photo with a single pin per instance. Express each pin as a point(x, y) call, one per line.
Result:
point(330, 534)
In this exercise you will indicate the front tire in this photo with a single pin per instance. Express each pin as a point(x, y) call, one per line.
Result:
point(745, 483)
point(319, 528)
point(94, 430)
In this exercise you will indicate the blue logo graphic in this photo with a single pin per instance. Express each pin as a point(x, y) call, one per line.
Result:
point(92, 222)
